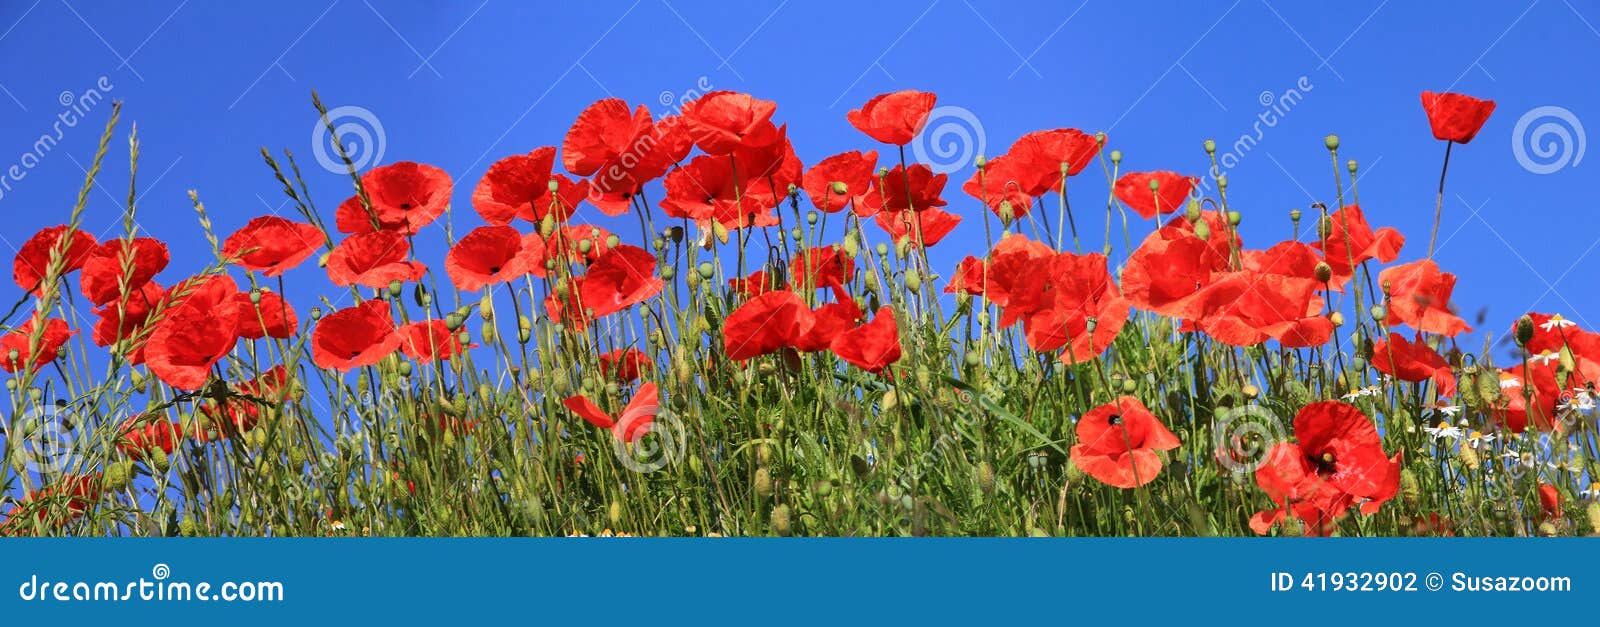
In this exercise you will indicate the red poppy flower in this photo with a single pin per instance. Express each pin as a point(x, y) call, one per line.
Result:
point(33, 259)
point(769, 169)
point(1337, 462)
point(272, 245)
point(1043, 155)
point(757, 283)
point(488, 256)
point(1552, 333)
point(854, 169)
point(905, 226)
point(914, 188)
point(229, 417)
point(1549, 501)
point(518, 186)
point(428, 341)
point(822, 267)
point(1171, 193)
point(272, 317)
point(54, 335)
point(1455, 117)
point(1166, 273)
point(970, 277)
point(1351, 242)
point(1420, 297)
point(74, 493)
point(105, 277)
point(1118, 443)
point(602, 133)
point(199, 327)
point(136, 440)
point(1413, 361)
point(872, 346)
point(1289, 259)
point(999, 185)
point(374, 260)
point(1247, 308)
point(621, 278)
point(765, 324)
point(1074, 290)
point(625, 366)
point(634, 421)
point(723, 121)
point(894, 118)
point(124, 320)
point(706, 189)
point(405, 197)
point(1012, 279)
point(1529, 397)
point(829, 322)
point(356, 337)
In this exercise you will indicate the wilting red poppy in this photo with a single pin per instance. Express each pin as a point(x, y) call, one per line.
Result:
point(19, 340)
point(136, 440)
point(999, 186)
point(356, 337)
point(1165, 274)
point(1046, 158)
point(518, 186)
point(272, 245)
point(1350, 242)
point(970, 277)
point(765, 324)
point(894, 118)
point(405, 197)
point(723, 121)
point(428, 341)
point(373, 260)
point(931, 225)
point(272, 317)
point(854, 169)
point(1171, 192)
point(1413, 361)
point(1420, 297)
point(757, 283)
point(872, 346)
point(104, 276)
point(822, 267)
point(623, 277)
point(1118, 443)
point(488, 256)
point(1338, 462)
point(1549, 501)
point(630, 425)
point(197, 329)
point(1455, 117)
point(33, 258)
point(625, 365)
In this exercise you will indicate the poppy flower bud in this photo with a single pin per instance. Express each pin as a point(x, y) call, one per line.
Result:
point(158, 460)
point(322, 260)
point(1468, 457)
point(1116, 156)
point(797, 234)
point(1350, 165)
point(1379, 313)
point(667, 272)
point(1211, 146)
point(453, 321)
point(1323, 272)
point(719, 231)
point(902, 247)
point(1337, 318)
point(914, 281)
point(1592, 512)
point(883, 249)
point(780, 520)
point(1192, 211)
point(486, 307)
point(1222, 181)
point(763, 483)
point(1007, 213)
point(547, 225)
point(316, 313)
point(973, 359)
point(187, 527)
point(850, 247)
point(706, 270)
point(1234, 218)
point(1202, 230)
point(1294, 214)
point(585, 245)
point(405, 369)
point(553, 186)
point(1331, 141)
point(1524, 330)
point(1129, 386)
point(1324, 227)
point(980, 161)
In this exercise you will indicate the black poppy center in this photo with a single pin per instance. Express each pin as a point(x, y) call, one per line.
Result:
point(1326, 463)
point(405, 206)
point(1115, 419)
point(494, 270)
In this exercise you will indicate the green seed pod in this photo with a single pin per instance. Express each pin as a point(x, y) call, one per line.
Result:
point(614, 513)
point(1129, 386)
point(453, 322)
point(972, 358)
point(547, 226)
point(706, 270)
point(763, 483)
point(396, 288)
point(668, 272)
point(1202, 230)
point(1379, 313)
point(612, 241)
point(883, 249)
point(1210, 146)
point(986, 477)
point(1350, 165)
point(187, 527)
point(797, 235)
point(117, 475)
point(1592, 513)
point(1410, 489)
point(159, 461)
point(1234, 218)
point(1116, 156)
point(914, 281)
point(1524, 331)
point(1331, 141)
point(1192, 211)
point(840, 188)
point(812, 217)
point(1294, 214)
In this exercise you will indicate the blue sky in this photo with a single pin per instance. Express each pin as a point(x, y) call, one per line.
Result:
point(461, 84)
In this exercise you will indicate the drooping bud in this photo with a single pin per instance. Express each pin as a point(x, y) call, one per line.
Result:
point(1524, 330)
point(1202, 230)
point(1192, 212)
point(1323, 272)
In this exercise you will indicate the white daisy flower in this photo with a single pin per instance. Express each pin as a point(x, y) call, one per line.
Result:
point(1445, 430)
point(1545, 358)
point(1507, 382)
point(1593, 491)
point(1372, 390)
point(1475, 439)
point(1557, 322)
